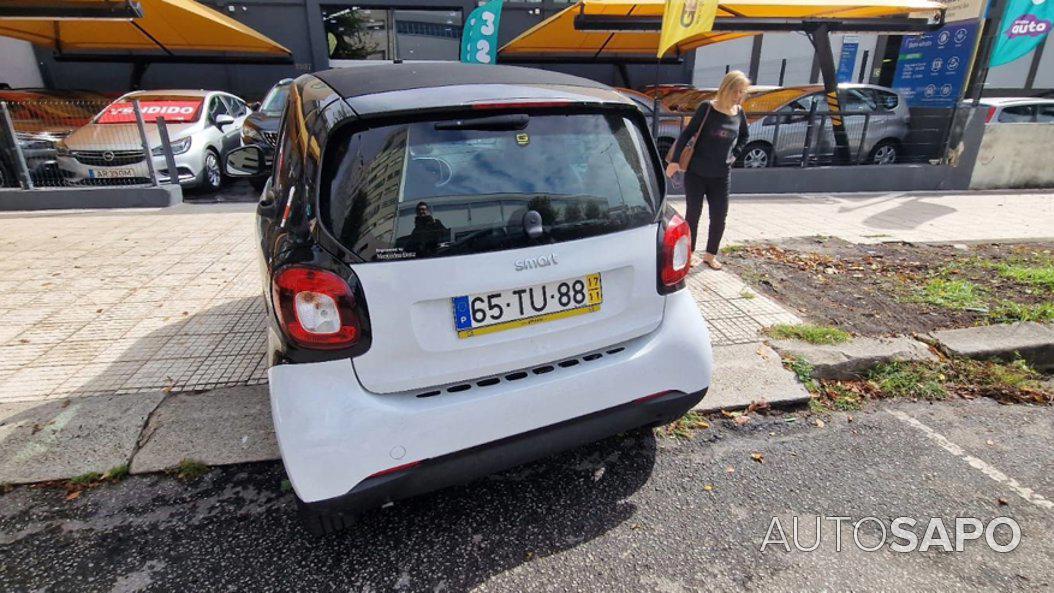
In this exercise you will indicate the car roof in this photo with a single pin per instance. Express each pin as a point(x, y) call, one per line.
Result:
point(183, 92)
point(384, 77)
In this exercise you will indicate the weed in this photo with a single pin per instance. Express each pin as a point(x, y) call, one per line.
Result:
point(1026, 274)
point(952, 294)
point(731, 249)
point(802, 369)
point(286, 486)
point(190, 469)
point(86, 479)
point(909, 379)
point(816, 406)
point(684, 427)
point(1009, 311)
point(117, 473)
point(813, 334)
point(746, 293)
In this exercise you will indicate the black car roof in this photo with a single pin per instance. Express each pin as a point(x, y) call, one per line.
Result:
point(369, 79)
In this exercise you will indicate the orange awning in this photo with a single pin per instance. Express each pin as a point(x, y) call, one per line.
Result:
point(167, 29)
point(557, 37)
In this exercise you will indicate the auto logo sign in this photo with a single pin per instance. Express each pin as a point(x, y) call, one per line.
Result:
point(107, 156)
point(1029, 26)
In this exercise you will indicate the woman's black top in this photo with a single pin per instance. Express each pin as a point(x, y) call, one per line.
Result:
point(720, 144)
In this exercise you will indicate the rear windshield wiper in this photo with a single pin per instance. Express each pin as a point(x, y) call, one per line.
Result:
point(515, 121)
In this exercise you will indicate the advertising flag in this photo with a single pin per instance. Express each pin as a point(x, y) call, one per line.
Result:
point(683, 19)
point(1025, 25)
point(479, 41)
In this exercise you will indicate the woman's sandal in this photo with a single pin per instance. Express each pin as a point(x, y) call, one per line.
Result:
point(712, 263)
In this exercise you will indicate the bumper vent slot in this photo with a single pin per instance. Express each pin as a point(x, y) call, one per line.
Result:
point(518, 375)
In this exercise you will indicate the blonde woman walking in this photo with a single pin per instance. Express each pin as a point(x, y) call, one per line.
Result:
point(720, 129)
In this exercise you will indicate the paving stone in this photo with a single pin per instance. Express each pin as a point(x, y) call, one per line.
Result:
point(744, 373)
point(854, 358)
point(218, 427)
point(60, 439)
point(1032, 341)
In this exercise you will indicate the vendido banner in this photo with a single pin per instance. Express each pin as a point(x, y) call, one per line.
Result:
point(1025, 25)
point(479, 41)
point(683, 19)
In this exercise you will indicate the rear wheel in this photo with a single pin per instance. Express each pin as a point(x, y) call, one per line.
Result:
point(757, 155)
point(320, 524)
point(885, 152)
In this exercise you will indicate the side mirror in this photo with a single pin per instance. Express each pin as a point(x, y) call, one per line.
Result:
point(223, 120)
point(246, 161)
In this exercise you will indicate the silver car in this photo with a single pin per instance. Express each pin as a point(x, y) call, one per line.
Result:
point(202, 126)
point(1019, 110)
point(876, 121)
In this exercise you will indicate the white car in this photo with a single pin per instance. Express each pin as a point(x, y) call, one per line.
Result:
point(477, 269)
point(1021, 110)
point(202, 127)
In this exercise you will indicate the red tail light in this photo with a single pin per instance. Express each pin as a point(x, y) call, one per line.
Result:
point(676, 256)
point(316, 308)
point(991, 114)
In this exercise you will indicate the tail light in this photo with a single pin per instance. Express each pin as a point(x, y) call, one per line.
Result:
point(675, 255)
point(991, 114)
point(316, 308)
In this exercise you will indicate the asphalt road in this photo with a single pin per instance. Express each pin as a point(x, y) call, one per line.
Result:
point(633, 513)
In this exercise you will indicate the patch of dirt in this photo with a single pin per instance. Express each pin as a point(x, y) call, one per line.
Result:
point(874, 290)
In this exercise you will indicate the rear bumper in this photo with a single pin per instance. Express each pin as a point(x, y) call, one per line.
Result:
point(335, 437)
point(468, 465)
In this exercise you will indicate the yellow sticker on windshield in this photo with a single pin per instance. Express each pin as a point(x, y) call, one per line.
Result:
point(523, 139)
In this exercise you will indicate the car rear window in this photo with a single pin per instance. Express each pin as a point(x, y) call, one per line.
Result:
point(442, 188)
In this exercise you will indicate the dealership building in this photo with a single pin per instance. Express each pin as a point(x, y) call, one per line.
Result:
point(326, 33)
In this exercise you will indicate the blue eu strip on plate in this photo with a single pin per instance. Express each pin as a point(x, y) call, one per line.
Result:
point(462, 315)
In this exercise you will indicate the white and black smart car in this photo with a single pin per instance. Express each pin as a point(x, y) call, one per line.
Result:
point(466, 268)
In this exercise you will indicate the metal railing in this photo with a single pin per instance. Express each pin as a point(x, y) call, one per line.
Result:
point(50, 143)
point(808, 139)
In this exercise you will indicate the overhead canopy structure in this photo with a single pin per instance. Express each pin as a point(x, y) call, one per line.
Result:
point(144, 30)
point(621, 31)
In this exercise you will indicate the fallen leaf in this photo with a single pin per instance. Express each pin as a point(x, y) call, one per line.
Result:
point(741, 420)
point(728, 414)
point(757, 405)
point(759, 457)
point(849, 418)
point(989, 442)
point(1002, 502)
point(730, 470)
point(819, 423)
point(708, 488)
point(98, 310)
point(73, 495)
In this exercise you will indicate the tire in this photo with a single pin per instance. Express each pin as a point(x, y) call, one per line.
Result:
point(756, 155)
point(886, 152)
point(321, 524)
point(212, 172)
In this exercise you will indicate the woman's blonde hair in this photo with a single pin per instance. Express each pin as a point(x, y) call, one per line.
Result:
point(729, 84)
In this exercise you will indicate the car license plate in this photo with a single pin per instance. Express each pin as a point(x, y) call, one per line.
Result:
point(111, 173)
point(479, 314)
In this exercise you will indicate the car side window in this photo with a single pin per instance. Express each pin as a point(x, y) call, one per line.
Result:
point(234, 106)
point(1017, 114)
point(858, 101)
point(885, 99)
point(1046, 114)
point(216, 108)
point(288, 159)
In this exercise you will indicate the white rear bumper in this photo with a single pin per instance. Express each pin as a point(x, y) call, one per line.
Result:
point(333, 434)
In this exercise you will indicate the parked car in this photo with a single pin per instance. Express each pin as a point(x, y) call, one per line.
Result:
point(41, 118)
point(202, 126)
point(670, 123)
point(261, 127)
point(1019, 110)
point(887, 126)
point(466, 268)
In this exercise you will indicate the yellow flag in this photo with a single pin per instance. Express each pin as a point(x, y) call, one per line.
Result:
point(683, 19)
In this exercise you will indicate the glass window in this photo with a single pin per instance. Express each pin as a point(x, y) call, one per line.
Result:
point(235, 106)
point(356, 34)
point(431, 189)
point(1018, 114)
point(274, 102)
point(217, 107)
point(886, 99)
point(427, 34)
point(857, 101)
point(1046, 113)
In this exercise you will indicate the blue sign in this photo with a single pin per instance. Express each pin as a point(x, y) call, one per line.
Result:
point(847, 63)
point(479, 41)
point(933, 67)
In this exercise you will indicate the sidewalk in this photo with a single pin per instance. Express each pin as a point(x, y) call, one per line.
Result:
point(113, 322)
